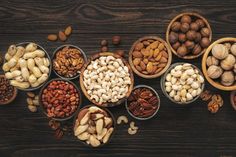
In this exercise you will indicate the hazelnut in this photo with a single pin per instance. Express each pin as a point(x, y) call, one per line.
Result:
point(182, 37)
point(186, 19)
point(182, 50)
point(175, 26)
point(200, 23)
point(104, 42)
point(227, 78)
point(205, 42)
point(194, 26)
point(189, 44)
point(176, 45)
point(197, 49)
point(184, 27)
point(198, 37)
point(104, 48)
point(116, 40)
point(205, 32)
point(191, 35)
point(173, 37)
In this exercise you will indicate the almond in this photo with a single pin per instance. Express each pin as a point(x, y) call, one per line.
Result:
point(68, 30)
point(62, 36)
point(150, 67)
point(139, 46)
point(163, 60)
point(52, 37)
point(164, 54)
point(137, 54)
point(136, 61)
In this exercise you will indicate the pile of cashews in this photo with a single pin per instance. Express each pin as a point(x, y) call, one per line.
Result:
point(26, 67)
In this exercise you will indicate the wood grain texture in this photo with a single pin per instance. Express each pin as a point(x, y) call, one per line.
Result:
point(175, 131)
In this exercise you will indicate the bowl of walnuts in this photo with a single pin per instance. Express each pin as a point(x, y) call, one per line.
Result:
point(188, 35)
point(219, 64)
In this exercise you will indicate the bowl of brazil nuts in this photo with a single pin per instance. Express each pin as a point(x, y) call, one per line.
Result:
point(68, 61)
point(188, 35)
point(143, 103)
point(150, 57)
point(106, 79)
point(27, 65)
point(60, 99)
point(94, 126)
point(182, 83)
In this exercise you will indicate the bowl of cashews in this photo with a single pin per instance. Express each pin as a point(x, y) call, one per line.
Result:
point(27, 65)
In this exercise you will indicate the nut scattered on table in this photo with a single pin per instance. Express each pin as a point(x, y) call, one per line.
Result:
point(183, 83)
point(62, 35)
point(32, 101)
point(60, 99)
point(150, 56)
point(221, 63)
point(143, 102)
point(132, 129)
point(106, 79)
point(7, 91)
point(68, 61)
point(94, 126)
point(122, 119)
point(27, 66)
point(215, 103)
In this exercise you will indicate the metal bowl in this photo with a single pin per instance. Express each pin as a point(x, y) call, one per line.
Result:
point(61, 47)
point(162, 82)
point(158, 105)
point(44, 110)
point(50, 66)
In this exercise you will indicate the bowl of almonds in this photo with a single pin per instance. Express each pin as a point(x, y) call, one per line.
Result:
point(94, 126)
point(68, 60)
point(150, 57)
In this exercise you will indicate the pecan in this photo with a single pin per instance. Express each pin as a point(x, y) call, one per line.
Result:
point(146, 94)
point(58, 134)
point(153, 100)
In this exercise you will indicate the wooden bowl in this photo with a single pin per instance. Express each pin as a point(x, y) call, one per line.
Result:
point(157, 74)
point(14, 94)
point(107, 104)
point(169, 29)
point(204, 67)
point(232, 94)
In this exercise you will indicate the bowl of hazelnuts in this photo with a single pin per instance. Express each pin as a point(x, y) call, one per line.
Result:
point(188, 35)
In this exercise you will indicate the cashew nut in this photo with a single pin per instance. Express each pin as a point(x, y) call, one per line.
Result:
point(121, 119)
point(131, 131)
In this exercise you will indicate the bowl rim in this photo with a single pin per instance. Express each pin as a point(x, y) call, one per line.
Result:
point(157, 38)
point(158, 105)
point(14, 94)
point(106, 104)
point(232, 94)
point(162, 83)
point(61, 47)
point(50, 66)
point(44, 110)
point(204, 67)
point(112, 117)
point(175, 19)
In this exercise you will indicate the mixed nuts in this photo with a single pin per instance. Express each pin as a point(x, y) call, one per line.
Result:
point(94, 126)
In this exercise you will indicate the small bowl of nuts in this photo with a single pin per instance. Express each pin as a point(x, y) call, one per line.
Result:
point(27, 65)
point(68, 61)
point(182, 83)
point(94, 126)
point(233, 99)
point(143, 103)
point(8, 92)
point(106, 79)
point(60, 99)
point(188, 35)
point(150, 57)
point(219, 64)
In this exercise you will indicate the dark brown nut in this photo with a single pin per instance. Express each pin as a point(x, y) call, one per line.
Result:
point(197, 49)
point(182, 37)
point(173, 37)
point(175, 26)
point(62, 36)
point(189, 44)
point(205, 42)
point(182, 50)
point(146, 43)
point(104, 49)
point(213, 107)
point(205, 32)
point(191, 35)
point(176, 45)
point(206, 95)
point(120, 53)
point(104, 42)
point(194, 26)
point(200, 22)
point(184, 27)
point(139, 46)
point(116, 40)
point(186, 19)
point(6, 90)
point(198, 37)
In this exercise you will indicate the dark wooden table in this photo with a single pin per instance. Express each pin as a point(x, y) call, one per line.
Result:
point(175, 131)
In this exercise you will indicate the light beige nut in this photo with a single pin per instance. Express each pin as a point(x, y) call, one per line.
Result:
point(94, 141)
point(32, 108)
point(99, 126)
point(108, 134)
point(132, 126)
point(103, 133)
point(36, 102)
point(121, 119)
point(131, 131)
point(29, 101)
point(30, 94)
point(80, 129)
point(85, 119)
point(107, 121)
point(84, 136)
